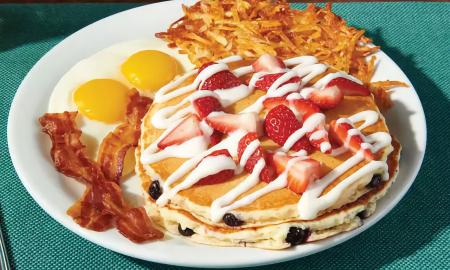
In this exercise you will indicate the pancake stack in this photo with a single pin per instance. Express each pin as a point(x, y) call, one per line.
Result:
point(280, 218)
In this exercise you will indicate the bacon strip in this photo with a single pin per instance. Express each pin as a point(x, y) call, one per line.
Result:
point(115, 145)
point(136, 225)
point(68, 153)
point(86, 213)
point(102, 204)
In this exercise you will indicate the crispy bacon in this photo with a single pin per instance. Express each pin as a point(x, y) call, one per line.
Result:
point(102, 204)
point(136, 226)
point(115, 145)
point(68, 153)
point(90, 215)
point(109, 196)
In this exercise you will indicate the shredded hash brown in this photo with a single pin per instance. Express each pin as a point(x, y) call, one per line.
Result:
point(211, 30)
point(214, 29)
point(381, 93)
point(102, 205)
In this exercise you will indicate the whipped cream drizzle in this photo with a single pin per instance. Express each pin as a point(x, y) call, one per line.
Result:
point(230, 143)
point(225, 203)
point(200, 164)
point(311, 202)
point(314, 121)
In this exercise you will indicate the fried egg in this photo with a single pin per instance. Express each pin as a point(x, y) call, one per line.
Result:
point(98, 86)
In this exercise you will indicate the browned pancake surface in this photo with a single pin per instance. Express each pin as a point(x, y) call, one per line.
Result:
point(206, 194)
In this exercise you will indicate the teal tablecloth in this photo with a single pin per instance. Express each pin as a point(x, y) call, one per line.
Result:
point(416, 234)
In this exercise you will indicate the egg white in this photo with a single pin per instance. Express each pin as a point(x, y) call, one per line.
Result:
point(105, 64)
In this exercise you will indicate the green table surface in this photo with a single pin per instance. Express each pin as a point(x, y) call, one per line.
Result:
point(415, 235)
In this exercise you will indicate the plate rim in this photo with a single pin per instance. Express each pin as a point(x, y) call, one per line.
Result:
point(73, 227)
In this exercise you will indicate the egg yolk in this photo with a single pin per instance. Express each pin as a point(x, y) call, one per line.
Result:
point(104, 100)
point(149, 70)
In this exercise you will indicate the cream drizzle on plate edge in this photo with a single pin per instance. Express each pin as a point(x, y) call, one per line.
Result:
point(196, 149)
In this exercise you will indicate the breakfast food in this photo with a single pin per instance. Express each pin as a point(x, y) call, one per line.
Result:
point(268, 154)
point(94, 122)
point(211, 30)
point(273, 137)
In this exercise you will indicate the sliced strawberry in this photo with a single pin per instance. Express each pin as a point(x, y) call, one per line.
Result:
point(244, 142)
point(349, 87)
point(280, 123)
point(269, 159)
point(334, 140)
point(215, 138)
point(340, 132)
point(317, 142)
point(300, 174)
point(219, 177)
point(303, 144)
point(266, 81)
point(268, 63)
point(205, 65)
point(205, 105)
point(253, 159)
point(272, 102)
point(268, 173)
point(227, 123)
point(305, 107)
point(327, 98)
point(186, 130)
point(220, 152)
point(221, 80)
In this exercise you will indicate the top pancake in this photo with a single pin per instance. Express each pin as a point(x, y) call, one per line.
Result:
point(277, 206)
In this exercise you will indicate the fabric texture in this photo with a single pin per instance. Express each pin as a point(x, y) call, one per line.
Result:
point(415, 235)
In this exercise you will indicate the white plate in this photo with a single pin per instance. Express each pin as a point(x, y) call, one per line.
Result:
point(29, 148)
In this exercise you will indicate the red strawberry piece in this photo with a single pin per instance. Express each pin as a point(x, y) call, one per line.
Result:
point(227, 123)
point(221, 80)
point(215, 138)
point(243, 143)
point(205, 105)
point(327, 98)
point(305, 107)
point(272, 102)
point(266, 81)
point(268, 63)
point(349, 87)
point(220, 152)
point(303, 144)
point(334, 140)
point(268, 173)
point(280, 123)
point(269, 160)
point(317, 142)
point(340, 132)
point(301, 173)
point(204, 66)
point(186, 130)
point(219, 177)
